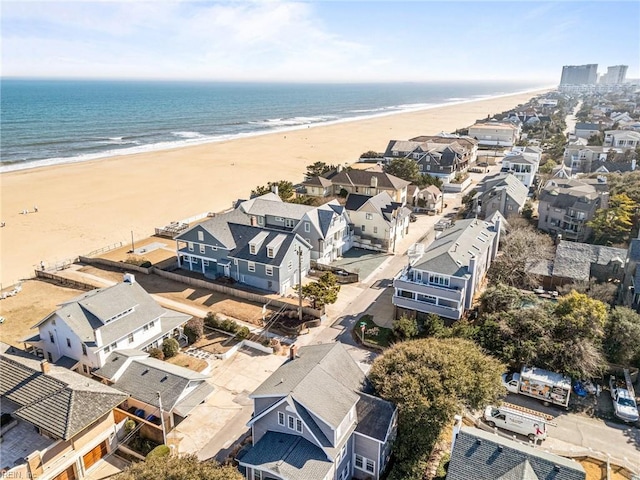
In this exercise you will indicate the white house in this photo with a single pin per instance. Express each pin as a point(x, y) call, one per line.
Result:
point(625, 139)
point(495, 133)
point(524, 169)
point(82, 332)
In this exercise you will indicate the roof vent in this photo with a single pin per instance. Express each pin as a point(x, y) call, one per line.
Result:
point(164, 379)
point(500, 448)
point(478, 441)
point(145, 372)
point(556, 468)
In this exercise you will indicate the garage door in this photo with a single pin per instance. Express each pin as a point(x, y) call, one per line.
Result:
point(68, 474)
point(94, 455)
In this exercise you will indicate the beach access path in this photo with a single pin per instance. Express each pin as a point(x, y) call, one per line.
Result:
point(85, 206)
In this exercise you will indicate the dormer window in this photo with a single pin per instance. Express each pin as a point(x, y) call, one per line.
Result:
point(252, 249)
point(270, 252)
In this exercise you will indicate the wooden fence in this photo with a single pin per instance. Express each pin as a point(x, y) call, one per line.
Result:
point(63, 281)
point(114, 264)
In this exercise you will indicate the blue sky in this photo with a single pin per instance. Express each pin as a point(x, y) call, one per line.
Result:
point(360, 41)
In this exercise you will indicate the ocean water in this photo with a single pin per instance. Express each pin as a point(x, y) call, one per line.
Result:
point(46, 122)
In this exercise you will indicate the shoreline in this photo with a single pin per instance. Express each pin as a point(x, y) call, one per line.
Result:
point(164, 146)
point(86, 205)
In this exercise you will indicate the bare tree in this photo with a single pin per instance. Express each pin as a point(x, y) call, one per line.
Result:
point(521, 251)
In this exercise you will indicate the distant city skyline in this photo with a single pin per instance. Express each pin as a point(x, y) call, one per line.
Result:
point(357, 41)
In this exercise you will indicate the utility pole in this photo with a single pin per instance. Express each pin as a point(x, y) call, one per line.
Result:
point(299, 252)
point(133, 250)
point(164, 434)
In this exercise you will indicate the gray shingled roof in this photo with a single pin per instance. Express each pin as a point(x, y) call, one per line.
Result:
point(62, 402)
point(145, 377)
point(449, 253)
point(564, 193)
point(507, 181)
point(318, 182)
point(382, 202)
point(374, 416)
point(216, 229)
point(321, 216)
point(587, 126)
point(243, 234)
point(363, 178)
point(480, 455)
point(260, 207)
point(323, 378)
point(288, 456)
point(574, 260)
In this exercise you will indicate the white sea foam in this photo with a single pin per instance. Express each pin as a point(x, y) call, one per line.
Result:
point(276, 126)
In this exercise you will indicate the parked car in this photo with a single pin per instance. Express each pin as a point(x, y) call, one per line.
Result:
point(623, 396)
point(527, 423)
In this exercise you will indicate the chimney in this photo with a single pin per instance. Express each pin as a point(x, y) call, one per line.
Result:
point(274, 189)
point(293, 352)
point(457, 425)
point(98, 336)
point(253, 221)
point(633, 164)
point(339, 169)
point(558, 239)
point(45, 367)
point(129, 278)
point(374, 181)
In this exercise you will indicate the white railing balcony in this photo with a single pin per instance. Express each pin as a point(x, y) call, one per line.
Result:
point(426, 307)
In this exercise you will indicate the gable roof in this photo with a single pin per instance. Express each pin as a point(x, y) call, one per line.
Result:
point(515, 189)
point(243, 234)
point(486, 456)
point(382, 203)
point(587, 126)
point(323, 378)
point(574, 260)
point(288, 456)
point(261, 207)
point(62, 402)
point(449, 252)
point(363, 178)
point(563, 193)
point(218, 228)
point(374, 416)
point(317, 182)
point(95, 310)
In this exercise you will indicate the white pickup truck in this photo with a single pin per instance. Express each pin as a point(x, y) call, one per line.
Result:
point(623, 396)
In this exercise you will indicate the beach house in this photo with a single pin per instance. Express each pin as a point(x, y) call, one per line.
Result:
point(625, 139)
point(83, 332)
point(446, 277)
point(56, 424)
point(521, 167)
point(502, 192)
point(566, 205)
point(362, 182)
point(154, 388)
point(314, 420)
point(235, 246)
point(494, 133)
point(378, 222)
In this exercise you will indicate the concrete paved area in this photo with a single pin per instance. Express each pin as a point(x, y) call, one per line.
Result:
point(360, 261)
point(107, 467)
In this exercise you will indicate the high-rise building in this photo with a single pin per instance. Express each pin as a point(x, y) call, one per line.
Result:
point(579, 74)
point(615, 75)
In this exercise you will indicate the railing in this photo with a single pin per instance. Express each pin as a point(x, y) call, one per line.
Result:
point(113, 246)
point(426, 307)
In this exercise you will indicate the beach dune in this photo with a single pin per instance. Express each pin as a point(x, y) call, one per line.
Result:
point(86, 206)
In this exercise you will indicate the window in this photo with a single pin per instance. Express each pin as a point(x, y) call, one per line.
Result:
point(51, 339)
point(438, 280)
point(235, 261)
point(202, 248)
point(268, 270)
point(214, 248)
point(280, 418)
point(151, 324)
point(279, 219)
point(292, 422)
point(252, 249)
point(307, 227)
point(343, 451)
point(298, 425)
point(85, 369)
point(251, 266)
point(363, 463)
point(107, 349)
point(205, 262)
point(49, 357)
point(362, 228)
point(145, 328)
point(114, 345)
point(375, 229)
point(68, 343)
point(257, 475)
point(130, 338)
point(190, 245)
point(290, 265)
point(289, 223)
point(270, 252)
point(84, 349)
point(200, 236)
point(260, 220)
point(368, 216)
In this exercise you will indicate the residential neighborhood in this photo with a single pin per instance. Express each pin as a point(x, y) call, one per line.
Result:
point(358, 322)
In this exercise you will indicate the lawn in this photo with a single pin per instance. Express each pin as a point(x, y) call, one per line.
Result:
point(186, 361)
point(379, 336)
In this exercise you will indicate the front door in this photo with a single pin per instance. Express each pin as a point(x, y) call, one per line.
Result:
point(227, 271)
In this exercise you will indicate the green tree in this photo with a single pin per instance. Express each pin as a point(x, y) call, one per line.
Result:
point(170, 347)
point(370, 154)
point(194, 329)
point(622, 337)
point(156, 353)
point(527, 210)
point(405, 168)
point(323, 292)
point(581, 316)
point(520, 250)
point(502, 298)
point(595, 140)
point(405, 328)
point(184, 467)
point(285, 189)
point(613, 225)
point(430, 380)
point(548, 167)
point(318, 169)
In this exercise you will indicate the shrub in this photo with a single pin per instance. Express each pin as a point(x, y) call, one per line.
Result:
point(159, 451)
point(156, 353)
point(441, 472)
point(229, 326)
point(129, 425)
point(137, 261)
point(243, 333)
point(405, 328)
point(142, 445)
point(194, 329)
point(170, 347)
point(211, 320)
point(146, 264)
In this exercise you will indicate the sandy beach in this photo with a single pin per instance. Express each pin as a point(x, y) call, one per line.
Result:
point(86, 206)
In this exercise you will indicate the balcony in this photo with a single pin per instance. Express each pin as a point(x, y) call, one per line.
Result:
point(405, 282)
point(446, 312)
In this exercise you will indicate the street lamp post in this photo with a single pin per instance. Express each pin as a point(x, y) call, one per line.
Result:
point(164, 434)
